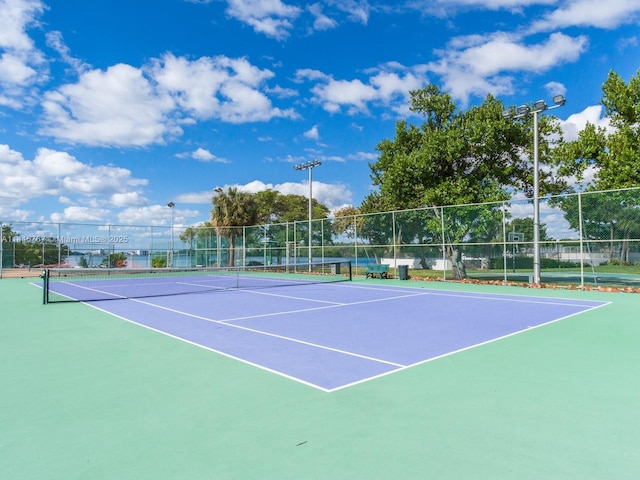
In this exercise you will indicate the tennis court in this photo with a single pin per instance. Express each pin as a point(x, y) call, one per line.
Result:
point(352, 379)
point(327, 335)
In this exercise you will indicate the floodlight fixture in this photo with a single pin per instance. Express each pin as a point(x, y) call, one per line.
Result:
point(523, 110)
point(540, 105)
point(559, 100)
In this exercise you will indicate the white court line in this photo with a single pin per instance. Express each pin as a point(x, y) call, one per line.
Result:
point(504, 297)
point(291, 297)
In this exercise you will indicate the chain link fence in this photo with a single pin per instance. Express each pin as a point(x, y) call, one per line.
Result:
point(585, 239)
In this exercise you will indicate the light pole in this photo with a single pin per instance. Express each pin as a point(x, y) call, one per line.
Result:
point(171, 205)
point(309, 166)
point(524, 111)
point(217, 191)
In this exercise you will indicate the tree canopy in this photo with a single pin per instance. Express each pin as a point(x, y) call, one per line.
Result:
point(613, 155)
point(456, 157)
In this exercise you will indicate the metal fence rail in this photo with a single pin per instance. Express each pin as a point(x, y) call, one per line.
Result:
point(585, 239)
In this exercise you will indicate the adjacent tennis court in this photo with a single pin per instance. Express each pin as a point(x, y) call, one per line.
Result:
point(313, 379)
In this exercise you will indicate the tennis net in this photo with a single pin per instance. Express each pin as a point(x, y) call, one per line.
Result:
point(87, 284)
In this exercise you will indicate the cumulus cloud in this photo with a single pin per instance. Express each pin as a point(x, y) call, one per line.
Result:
point(589, 13)
point(79, 214)
point(478, 65)
point(312, 133)
point(573, 125)
point(357, 10)
point(59, 174)
point(159, 215)
point(203, 155)
point(272, 18)
point(117, 106)
point(321, 21)
point(388, 86)
point(21, 64)
point(128, 106)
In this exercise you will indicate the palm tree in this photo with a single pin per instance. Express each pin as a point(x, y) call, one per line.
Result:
point(233, 209)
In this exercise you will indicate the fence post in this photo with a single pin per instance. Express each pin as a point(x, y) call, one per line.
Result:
point(504, 241)
point(581, 236)
point(444, 245)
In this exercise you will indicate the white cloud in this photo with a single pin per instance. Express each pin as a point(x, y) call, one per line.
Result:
point(156, 215)
point(357, 10)
point(15, 17)
point(55, 41)
point(477, 65)
point(21, 64)
point(555, 88)
point(127, 199)
point(14, 70)
point(79, 214)
point(114, 107)
point(195, 197)
point(54, 173)
point(217, 87)
point(590, 13)
point(312, 133)
point(321, 21)
point(269, 17)
point(388, 85)
point(204, 155)
point(127, 106)
point(363, 156)
point(573, 125)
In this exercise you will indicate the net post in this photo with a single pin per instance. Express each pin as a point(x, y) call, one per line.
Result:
point(349, 270)
point(45, 287)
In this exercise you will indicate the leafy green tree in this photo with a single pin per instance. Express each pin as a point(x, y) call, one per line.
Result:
point(459, 157)
point(32, 250)
point(614, 156)
point(231, 210)
point(346, 221)
point(277, 208)
point(8, 237)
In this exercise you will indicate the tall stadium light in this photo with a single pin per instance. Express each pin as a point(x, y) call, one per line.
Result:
point(309, 166)
point(171, 205)
point(524, 111)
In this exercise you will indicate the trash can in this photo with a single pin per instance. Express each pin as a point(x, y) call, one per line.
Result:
point(335, 269)
point(403, 272)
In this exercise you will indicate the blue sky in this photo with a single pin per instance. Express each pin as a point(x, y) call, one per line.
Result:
point(109, 109)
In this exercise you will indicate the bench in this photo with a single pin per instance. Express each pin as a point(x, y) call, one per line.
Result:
point(374, 270)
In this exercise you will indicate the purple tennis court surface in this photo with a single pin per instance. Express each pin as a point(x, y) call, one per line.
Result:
point(331, 336)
